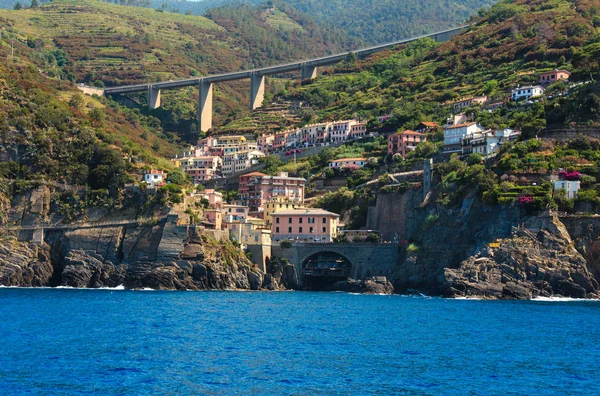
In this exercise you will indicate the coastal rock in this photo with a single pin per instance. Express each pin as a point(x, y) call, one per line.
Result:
point(525, 266)
point(24, 265)
point(84, 269)
point(369, 286)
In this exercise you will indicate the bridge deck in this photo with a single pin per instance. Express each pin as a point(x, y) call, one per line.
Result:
point(285, 68)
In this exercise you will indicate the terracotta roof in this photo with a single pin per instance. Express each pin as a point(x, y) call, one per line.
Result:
point(430, 124)
point(460, 125)
point(348, 159)
point(254, 174)
point(308, 212)
point(556, 71)
point(409, 132)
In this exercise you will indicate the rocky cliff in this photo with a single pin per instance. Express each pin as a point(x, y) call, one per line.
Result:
point(492, 251)
point(159, 256)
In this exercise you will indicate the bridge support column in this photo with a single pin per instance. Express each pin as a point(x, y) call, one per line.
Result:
point(153, 98)
point(309, 72)
point(205, 106)
point(257, 90)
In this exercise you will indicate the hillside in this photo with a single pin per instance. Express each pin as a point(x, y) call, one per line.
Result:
point(50, 133)
point(505, 47)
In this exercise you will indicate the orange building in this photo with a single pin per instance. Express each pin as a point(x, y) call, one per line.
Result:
point(401, 142)
point(553, 76)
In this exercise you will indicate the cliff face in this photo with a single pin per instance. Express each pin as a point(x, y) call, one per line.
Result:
point(160, 256)
point(530, 256)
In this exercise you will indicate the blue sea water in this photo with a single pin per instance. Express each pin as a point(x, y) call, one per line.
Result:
point(60, 341)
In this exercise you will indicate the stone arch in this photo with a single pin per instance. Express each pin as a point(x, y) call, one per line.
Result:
point(322, 269)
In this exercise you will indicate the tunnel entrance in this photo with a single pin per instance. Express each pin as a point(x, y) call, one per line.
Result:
point(321, 270)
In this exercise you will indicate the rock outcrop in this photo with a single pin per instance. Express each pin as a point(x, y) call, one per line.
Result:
point(24, 264)
point(368, 286)
point(525, 266)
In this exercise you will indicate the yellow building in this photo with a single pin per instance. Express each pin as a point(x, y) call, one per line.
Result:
point(276, 204)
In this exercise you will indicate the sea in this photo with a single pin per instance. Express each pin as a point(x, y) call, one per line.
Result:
point(119, 342)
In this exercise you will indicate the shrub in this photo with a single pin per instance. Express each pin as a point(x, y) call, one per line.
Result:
point(285, 244)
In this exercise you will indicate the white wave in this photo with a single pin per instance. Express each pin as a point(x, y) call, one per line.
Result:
point(563, 299)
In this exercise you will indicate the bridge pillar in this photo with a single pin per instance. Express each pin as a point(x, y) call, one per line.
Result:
point(309, 72)
point(153, 98)
point(205, 106)
point(257, 90)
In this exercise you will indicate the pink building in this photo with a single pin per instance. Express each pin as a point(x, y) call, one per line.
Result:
point(259, 189)
point(279, 141)
point(234, 213)
point(213, 219)
point(553, 76)
point(214, 197)
point(358, 130)
point(243, 186)
point(306, 225)
point(265, 143)
point(202, 169)
point(404, 141)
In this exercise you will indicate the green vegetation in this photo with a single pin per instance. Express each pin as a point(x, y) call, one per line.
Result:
point(505, 47)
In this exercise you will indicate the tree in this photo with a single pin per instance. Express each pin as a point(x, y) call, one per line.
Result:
point(34, 3)
point(76, 101)
point(177, 176)
point(474, 159)
point(373, 238)
point(17, 6)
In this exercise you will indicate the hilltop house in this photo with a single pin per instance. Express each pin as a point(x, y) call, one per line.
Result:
point(346, 162)
point(454, 134)
point(478, 100)
point(571, 187)
point(525, 93)
point(154, 177)
point(400, 142)
point(553, 76)
point(427, 126)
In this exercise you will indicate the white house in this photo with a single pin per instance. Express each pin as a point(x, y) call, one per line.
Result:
point(343, 162)
point(524, 93)
point(571, 187)
point(454, 134)
point(154, 177)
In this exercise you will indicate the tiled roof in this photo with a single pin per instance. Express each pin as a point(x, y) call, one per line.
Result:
point(460, 125)
point(309, 212)
point(253, 174)
point(348, 159)
point(408, 132)
point(430, 124)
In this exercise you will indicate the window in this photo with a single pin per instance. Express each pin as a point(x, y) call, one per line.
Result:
point(324, 229)
point(324, 220)
point(300, 221)
point(277, 220)
point(289, 220)
point(300, 230)
point(276, 229)
point(311, 230)
point(289, 230)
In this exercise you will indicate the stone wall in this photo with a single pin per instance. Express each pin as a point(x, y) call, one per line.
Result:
point(367, 259)
point(394, 214)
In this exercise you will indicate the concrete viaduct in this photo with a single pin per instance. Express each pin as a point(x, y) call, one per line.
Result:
point(308, 69)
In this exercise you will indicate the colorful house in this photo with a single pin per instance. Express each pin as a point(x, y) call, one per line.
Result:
point(553, 76)
point(402, 142)
point(304, 225)
point(348, 162)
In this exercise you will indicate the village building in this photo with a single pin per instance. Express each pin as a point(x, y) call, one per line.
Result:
point(487, 142)
point(553, 76)
point(237, 162)
point(571, 187)
point(304, 225)
point(212, 219)
point(154, 177)
point(276, 204)
point(348, 162)
point(478, 100)
point(201, 169)
point(427, 126)
point(232, 213)
point(402, 142)
point(526, 93)
point(214, 197)
point(260, 189)
point(454, 134)
point(264, 143)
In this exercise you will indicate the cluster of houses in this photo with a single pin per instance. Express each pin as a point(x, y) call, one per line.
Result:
point(223, 156)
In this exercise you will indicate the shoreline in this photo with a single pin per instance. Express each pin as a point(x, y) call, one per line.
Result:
point(420, 295)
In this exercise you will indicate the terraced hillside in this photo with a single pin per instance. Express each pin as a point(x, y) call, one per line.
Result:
point(508, 45)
